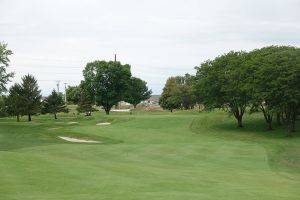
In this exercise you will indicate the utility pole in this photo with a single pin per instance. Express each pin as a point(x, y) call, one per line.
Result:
point(118, 104)
point(57, 85)
point(65, 93)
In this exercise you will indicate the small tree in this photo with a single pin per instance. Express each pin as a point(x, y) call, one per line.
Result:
point(73, 94)
point(54, 104)
point(85, 103)
point(14, 101)
point(137, 92)
point(185, 84)
point(4, 63)
point(171, 97)
point(31, 96)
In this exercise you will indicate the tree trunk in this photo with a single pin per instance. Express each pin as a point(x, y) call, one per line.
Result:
point(107, 111)
point(18, 117)
point(294, 117)
point(268, 117)
point(289, 123)
point(270, 125)
point(55, 116)
point(134, 105)
point(240, 122)
point(238, 113)
point(269, 120)
point(171, 110)
point(29, 117)
point(278, 119)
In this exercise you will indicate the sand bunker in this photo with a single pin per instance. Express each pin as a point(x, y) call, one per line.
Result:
point(120, 110)
point(69, 139)
point(103, 124)
point(72, 122)
point(55, 128)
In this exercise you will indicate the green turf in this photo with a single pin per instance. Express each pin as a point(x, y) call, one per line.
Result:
point(148, 155)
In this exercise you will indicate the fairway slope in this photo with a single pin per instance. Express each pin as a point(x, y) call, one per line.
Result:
point(148, 155)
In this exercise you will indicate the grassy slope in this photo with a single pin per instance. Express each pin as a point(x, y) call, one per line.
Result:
point(155, 155)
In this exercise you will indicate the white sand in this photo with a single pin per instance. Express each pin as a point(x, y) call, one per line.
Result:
point(103, 124)
point(120, 110)
point(72, 122)
point(53, 128)
point(69, 139)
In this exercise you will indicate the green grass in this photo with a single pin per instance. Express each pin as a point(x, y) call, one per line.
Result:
point(148, 155)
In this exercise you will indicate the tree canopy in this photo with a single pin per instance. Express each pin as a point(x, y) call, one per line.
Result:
point(265, 79)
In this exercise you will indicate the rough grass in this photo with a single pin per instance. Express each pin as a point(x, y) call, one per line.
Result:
point(148, 155)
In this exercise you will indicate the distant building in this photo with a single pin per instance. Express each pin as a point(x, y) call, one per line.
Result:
point(153, 100)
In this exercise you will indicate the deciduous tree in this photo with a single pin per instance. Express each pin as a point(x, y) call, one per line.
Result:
point(221, 84)
point(171, 97)
point(4, 63)
point(107, 82)
point(137, 92)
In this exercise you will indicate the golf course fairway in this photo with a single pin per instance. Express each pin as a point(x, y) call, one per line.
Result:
point(157, 155)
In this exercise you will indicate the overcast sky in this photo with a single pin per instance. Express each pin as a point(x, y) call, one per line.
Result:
point(54, 40)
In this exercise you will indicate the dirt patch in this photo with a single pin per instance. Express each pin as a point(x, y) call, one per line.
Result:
point(70, 139)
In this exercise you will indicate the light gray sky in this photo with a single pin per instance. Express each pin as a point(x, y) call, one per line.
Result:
point(53, 40)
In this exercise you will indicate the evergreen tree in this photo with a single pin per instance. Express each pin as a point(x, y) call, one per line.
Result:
point(14, 101)
point(54, 104)
point(31, 96)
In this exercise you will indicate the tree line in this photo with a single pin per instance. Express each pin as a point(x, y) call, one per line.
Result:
point(265, 80)
point(105, 84)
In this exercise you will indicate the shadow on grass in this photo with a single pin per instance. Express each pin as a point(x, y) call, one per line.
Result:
point(255, 128)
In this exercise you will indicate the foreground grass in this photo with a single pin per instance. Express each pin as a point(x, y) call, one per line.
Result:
point(148, 155)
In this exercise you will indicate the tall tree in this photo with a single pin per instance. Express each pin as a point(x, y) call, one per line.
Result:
point(107, 82)
point(262, 81)
point(287, 84)
point(221, 84)
point(137, 92)
point(31, 96)
point(14, 101)
point(4, 63)
point(171, 97)
point(54, 104)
